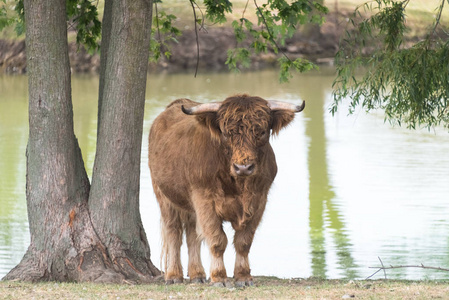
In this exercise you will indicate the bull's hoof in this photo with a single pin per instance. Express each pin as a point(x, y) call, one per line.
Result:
point(173, 281)
point(198, 280)
point(220, 284)
point(241, 284)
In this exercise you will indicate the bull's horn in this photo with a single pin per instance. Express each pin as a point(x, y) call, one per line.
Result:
point(280, 105)
point(201, 108)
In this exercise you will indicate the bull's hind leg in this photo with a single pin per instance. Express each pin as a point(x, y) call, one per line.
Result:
point(171, 224)
point(195, 269)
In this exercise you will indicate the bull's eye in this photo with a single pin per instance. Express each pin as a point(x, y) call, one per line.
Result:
point(225, 135)
point(262, 135)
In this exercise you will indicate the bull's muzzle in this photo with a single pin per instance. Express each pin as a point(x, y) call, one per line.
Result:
point(244, 170)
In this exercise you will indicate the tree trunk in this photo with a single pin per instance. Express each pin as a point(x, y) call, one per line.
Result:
point(57, 185)
point(114, 196)
point(74, 238)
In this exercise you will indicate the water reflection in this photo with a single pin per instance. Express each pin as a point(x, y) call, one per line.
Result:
point(349, 189)
point(13, 139)
point(85, 101)
point(323, 213)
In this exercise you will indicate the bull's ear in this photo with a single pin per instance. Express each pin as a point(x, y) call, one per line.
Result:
point(282, 113)
point(280, 119)
point(206, 114)
point(209, 120)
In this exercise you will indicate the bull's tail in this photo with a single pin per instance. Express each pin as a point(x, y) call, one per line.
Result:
point(164, 249)
point(172, 229)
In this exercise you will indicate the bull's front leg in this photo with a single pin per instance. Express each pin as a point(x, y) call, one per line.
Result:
point(210, 225)
point(243, 239)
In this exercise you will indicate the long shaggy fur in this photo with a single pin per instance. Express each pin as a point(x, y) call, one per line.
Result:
point(194, 161)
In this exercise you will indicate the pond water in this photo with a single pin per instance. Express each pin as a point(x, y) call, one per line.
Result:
point(350, 189)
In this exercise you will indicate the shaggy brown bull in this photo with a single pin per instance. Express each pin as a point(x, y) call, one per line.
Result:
point(211, 163)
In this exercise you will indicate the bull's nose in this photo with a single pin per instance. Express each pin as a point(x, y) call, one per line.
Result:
point(244, 170)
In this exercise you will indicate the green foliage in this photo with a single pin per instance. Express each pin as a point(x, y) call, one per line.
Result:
point(281, 18)
point(300, 64)
point(162, 32)
point(84, 17)
point(391, 22)
point(4, 19)
point(410, 84)
point(277, 21)
point(238, 56)
point(20, 20)
point(12, 13)
point(216, 10)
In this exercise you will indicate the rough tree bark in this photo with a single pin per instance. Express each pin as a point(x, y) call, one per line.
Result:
point(74, 237)
point(114, 197)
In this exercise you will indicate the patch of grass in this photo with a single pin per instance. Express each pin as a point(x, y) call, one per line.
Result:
point(420, 13)
point(265, 288)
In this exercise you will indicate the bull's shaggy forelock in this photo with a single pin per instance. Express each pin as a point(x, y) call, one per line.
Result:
point(244, 121)
point(243, 115)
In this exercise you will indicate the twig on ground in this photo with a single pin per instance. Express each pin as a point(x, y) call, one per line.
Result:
point(381, 262)
point(422, 266)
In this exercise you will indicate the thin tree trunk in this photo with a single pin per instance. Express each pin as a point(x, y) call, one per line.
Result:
point(106, 26)
point(114, 197)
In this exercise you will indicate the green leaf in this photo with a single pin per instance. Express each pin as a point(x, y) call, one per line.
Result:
point(239, 33)
point(20, 21)
point(4, 20)
point(239, 57)
point(410, 84)
point(216, 10)
point(163, 31)
point(84, 16)
point(299, 64)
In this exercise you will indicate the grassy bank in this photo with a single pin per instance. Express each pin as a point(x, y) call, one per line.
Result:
point(266, 288)
point(420, 13)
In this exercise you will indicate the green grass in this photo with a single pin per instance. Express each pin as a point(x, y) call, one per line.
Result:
point(420, 13)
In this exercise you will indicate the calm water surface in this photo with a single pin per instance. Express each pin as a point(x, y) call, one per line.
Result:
point(349, 189)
